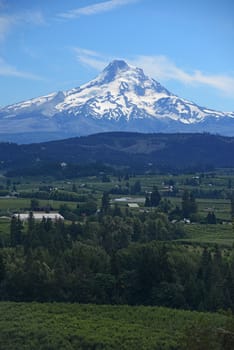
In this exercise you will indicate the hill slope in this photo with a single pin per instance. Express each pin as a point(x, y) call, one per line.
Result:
point(139, 152)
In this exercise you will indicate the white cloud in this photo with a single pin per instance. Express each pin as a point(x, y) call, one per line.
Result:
point(91, 58)
point(10, 71)
point(163, 69)
point(94, 9)
point(7, 22)
point(92, 62)
point(85, 52)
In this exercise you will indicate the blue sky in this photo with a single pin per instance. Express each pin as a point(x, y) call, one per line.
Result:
point(49, 45)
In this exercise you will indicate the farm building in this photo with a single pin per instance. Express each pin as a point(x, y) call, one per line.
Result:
point(133, 205)
point(39, 216)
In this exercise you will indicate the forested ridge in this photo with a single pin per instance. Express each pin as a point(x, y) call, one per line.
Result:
point(138, 152)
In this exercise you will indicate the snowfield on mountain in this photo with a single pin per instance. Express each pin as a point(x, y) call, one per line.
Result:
point(121, 98)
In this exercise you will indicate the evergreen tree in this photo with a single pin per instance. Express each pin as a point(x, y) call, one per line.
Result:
point(185, 204)
point(204, 279)
point(193, 204)
point(2, 269)
point(232, 205)
point(229, 288)
point(105, 202)
point(136, 188)
point(31, 221)
point(211, 218)
point(175, 214)
point(16, 231)
point(138, 230)
point(155, 197)
point(189, 205)
point(34, 204)
point(216, 293)
point(147, 201)
point(116, 211)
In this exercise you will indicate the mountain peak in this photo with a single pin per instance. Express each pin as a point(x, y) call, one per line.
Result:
point(113, 68)
point(121, 98)
point(117, 65)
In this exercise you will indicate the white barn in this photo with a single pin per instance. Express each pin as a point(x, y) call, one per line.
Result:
point(38, 216)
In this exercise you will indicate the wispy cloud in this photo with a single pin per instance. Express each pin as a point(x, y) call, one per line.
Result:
point(33, 17)
point(91, 58)
point(162, 69)
point(94, 9)
point(7, 22)
point(8, 70)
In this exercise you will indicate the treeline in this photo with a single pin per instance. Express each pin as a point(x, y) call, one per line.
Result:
point(59, 170)
point(53, 195)
point(111, 259)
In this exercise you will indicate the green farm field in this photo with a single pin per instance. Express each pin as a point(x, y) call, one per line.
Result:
point(222, 235)
point(32, 326)
point(15, 204)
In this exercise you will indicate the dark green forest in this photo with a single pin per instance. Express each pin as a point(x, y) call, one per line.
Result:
point(114, 257)
point(133, 152)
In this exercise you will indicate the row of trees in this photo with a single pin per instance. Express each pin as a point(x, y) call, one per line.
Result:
point(113, 259)
point(149, 274)
point(111, 229)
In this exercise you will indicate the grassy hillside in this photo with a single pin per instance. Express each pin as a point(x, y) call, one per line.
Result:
point(73, 326)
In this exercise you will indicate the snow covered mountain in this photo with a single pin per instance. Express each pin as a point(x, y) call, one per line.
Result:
point(121, 98)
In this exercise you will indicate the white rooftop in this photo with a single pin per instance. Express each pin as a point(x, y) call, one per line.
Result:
point(40, 216)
